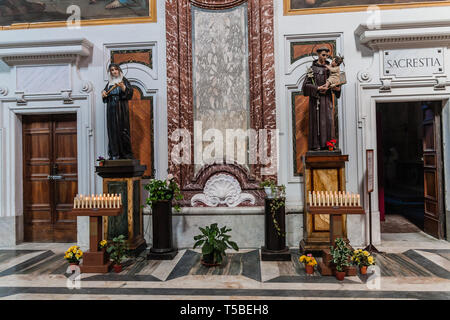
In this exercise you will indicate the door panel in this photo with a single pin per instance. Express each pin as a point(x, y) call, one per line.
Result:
point(433, 182)
point(65, 165)
point(49, 148)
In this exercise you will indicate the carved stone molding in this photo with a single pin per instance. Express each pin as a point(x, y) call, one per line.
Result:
point(386, 85)
point(179, 74)
point(20, 97)
point(419, 33)
point(87, 86)
point(364, 76)
point(222, 189)
point(45, 51)
point(4, 90)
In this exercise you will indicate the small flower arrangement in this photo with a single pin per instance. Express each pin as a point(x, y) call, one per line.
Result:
point(363, 258)
point(102, 244)
point(73, 254)
point(101, 161)
point(308, 260)
point(331, 144)
point(163, 190)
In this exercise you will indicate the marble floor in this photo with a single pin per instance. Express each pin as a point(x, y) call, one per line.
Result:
point(412, 266)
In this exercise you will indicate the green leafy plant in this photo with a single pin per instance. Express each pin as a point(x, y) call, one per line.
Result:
point(269, 184)
point(117, 249)
point(277, 202)
point(341, 254)
point(214, 242)
point(163, 190)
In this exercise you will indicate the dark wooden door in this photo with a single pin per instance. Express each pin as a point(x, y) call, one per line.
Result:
point(50, 179)
point(433, 181)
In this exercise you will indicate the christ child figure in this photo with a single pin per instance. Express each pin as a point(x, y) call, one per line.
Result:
point(334, 78)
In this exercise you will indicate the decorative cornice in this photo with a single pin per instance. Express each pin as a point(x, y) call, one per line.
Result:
point(51, 51)
point(405, 34)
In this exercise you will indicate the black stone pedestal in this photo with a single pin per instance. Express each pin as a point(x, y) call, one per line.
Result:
point(275, 248)
point(162, 248)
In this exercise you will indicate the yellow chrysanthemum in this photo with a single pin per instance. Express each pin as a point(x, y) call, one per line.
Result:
point(366, 253)
point(302, 258)
point(370, 259)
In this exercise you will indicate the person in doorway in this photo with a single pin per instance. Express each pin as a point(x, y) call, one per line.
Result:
point(116, 94)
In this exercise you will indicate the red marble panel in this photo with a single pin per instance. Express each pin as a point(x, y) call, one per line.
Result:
point(179, 74)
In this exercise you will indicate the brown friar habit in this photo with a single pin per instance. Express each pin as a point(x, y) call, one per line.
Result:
point(118, 121)
point(321, 124)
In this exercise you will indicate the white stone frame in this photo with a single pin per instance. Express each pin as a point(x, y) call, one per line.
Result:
point(11, 171)
point(368, 97)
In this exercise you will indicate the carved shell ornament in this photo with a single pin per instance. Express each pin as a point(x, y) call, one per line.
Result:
point(222, 189)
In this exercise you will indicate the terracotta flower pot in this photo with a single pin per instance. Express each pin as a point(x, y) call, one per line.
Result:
point(340, 275)
point(117, 268)
point(74, 263)
point(363, 269)
point(309, 269)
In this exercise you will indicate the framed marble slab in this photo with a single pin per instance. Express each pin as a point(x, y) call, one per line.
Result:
point(295, 7)
point(28, 14)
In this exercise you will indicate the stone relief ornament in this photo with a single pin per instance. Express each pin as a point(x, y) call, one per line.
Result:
point(222, 189)
point(87, 86)
point(364, 76)
point(3, 91)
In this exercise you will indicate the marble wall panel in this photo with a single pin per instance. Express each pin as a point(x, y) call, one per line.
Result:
point(220, 70)
point(179, 74)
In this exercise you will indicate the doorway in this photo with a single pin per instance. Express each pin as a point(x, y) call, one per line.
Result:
point(409, 162)
point(50, 179)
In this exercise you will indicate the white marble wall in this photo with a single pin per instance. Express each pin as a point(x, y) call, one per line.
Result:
point(247, 229)
point(362, 64)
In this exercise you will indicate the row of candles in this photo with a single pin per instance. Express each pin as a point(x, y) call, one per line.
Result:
point(333, 198)
point(101, 201)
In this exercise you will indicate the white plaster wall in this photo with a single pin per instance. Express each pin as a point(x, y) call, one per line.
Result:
point(91, 69)
point(341, 26)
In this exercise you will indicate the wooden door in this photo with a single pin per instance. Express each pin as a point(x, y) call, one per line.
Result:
point(50, 179)
point(433, 182)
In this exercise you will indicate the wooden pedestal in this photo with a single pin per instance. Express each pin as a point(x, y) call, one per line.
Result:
point(275, 248)
point(124, 177)
point(95, 260)
point(323, 171)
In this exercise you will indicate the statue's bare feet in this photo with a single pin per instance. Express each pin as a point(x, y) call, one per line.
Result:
point(113, 5)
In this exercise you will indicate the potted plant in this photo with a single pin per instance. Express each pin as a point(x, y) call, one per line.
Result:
point(309, 261)
point(101, 161)
point(214, 242)
point(161, 195)
point(74, 255)
point(341, 255)
point(117, 252)
point(163, 191)
point(278, 201)
point(363, 259)
point(269, 187)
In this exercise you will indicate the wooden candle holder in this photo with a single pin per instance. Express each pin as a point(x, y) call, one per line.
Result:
point(95, 260)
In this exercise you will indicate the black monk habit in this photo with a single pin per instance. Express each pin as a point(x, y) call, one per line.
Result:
point(118, 121)
point(321, 122)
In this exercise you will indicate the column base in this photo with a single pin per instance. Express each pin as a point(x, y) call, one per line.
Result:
point(270, 255)
point(168, 255)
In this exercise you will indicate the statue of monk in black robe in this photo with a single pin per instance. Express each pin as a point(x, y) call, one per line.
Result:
point(116, 95)
point(321, 117)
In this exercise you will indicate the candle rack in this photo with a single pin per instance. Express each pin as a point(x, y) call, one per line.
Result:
point(96, 260)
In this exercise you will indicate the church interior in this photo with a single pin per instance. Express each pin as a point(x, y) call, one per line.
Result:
point(224, 149)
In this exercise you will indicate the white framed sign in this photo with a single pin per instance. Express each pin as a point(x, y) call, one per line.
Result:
point(420, 62)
